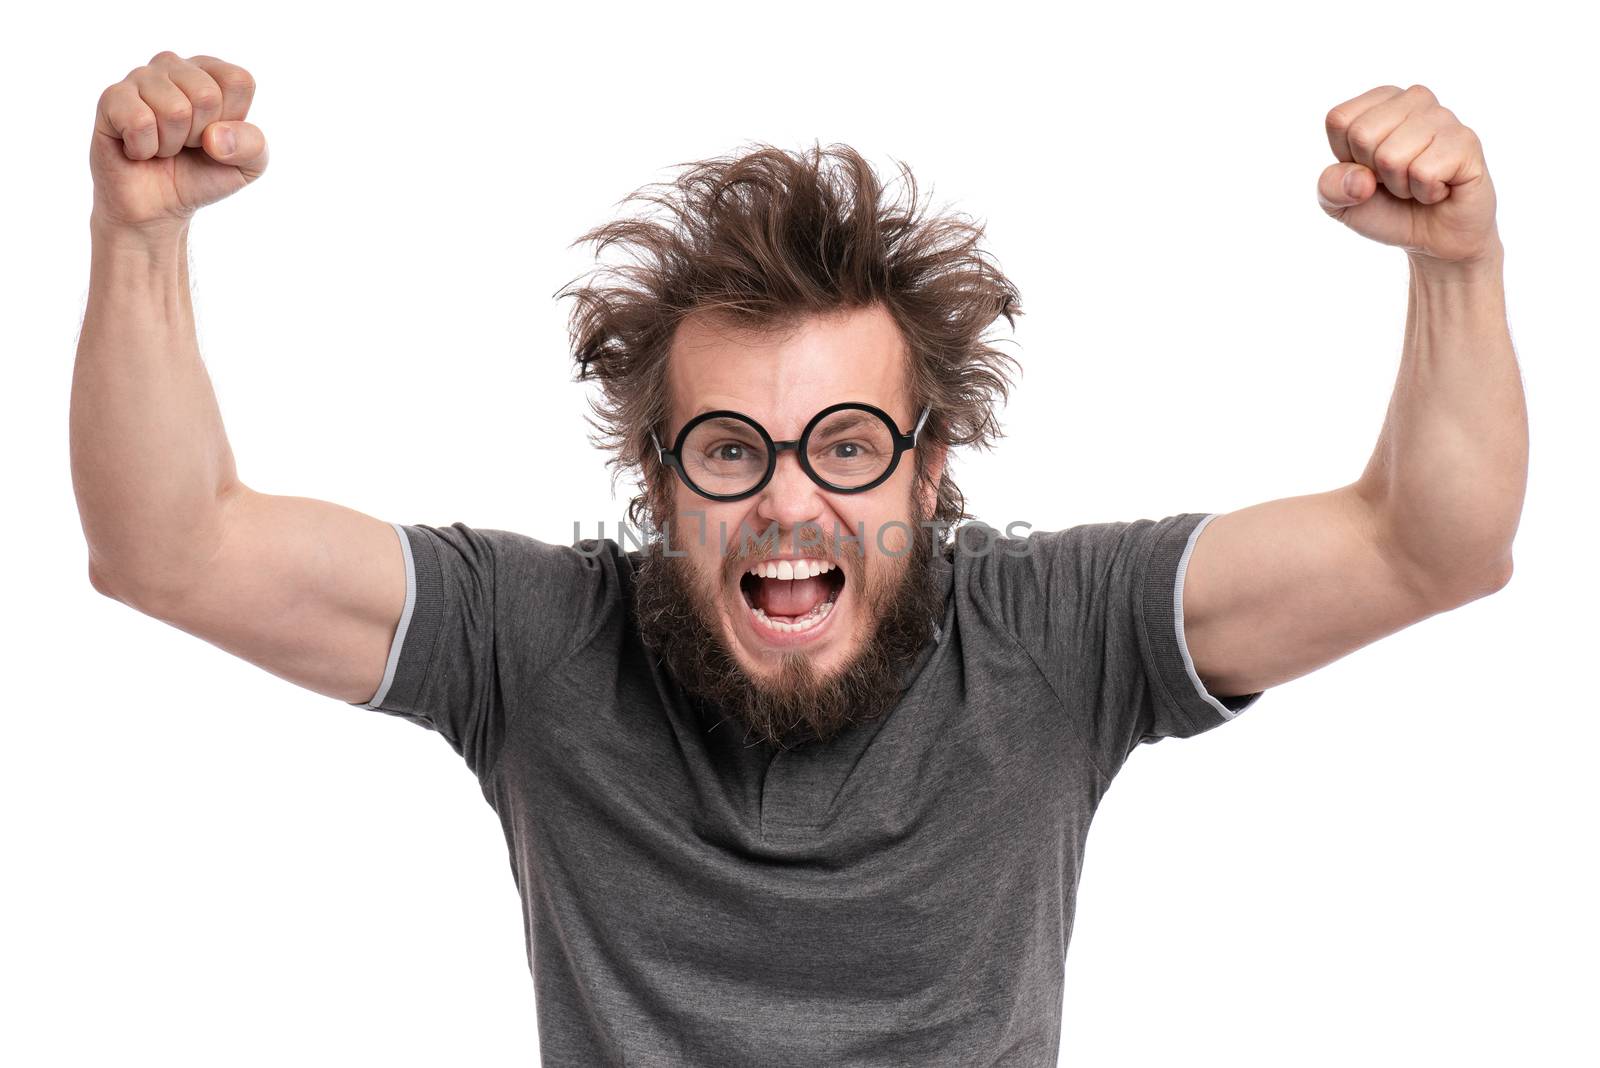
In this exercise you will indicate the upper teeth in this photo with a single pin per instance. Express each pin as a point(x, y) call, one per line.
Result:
point(791, 569)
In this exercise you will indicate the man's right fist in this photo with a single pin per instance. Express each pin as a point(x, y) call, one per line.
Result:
point(168, 139)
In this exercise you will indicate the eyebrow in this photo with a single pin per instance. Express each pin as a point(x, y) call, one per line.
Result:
point(703, 409)
point(853, 420)
point(725, 423)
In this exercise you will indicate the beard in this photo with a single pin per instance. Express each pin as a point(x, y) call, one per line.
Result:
point(679, 621)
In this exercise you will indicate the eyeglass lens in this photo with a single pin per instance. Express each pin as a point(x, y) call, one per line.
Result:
point(849, 448)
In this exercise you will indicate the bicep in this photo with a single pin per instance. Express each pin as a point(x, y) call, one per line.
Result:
point(308, 590)
point(1279, 589)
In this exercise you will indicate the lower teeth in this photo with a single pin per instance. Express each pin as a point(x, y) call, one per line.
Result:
point(805, 622)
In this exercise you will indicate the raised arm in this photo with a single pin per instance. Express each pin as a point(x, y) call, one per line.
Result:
point(1281, 588)
point(308, 590)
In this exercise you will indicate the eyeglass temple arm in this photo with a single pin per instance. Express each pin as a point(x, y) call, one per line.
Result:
point(916, 431)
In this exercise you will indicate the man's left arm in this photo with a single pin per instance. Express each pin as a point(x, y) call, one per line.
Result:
point(1278, 589)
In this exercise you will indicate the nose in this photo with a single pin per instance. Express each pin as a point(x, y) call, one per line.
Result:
point(790, 498)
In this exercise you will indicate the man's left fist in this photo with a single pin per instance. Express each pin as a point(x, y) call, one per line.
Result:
point(1410, 175)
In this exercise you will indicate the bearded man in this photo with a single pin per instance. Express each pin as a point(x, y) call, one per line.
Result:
point(807, 777)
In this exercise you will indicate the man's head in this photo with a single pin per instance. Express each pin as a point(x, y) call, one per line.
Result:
point(740, 616)
point(781, 284)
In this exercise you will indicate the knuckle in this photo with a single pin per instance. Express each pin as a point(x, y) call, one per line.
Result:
point(1426, 175)
point(238, 81)
point(140, 126)
point(1421, 91)
point(1335, 120)
point(1387, 161)
point(1361, 136)
point(206, 99)
point(165, 54)
point(178, 115)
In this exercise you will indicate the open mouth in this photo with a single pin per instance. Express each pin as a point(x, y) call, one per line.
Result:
point(787, 596)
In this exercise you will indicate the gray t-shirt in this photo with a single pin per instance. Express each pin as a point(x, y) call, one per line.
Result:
point(902, 894)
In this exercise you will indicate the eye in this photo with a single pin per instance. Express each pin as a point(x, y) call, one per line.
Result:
point(729, 452)
point(847, 450)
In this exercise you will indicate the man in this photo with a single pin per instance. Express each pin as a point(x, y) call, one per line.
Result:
point(807, 778)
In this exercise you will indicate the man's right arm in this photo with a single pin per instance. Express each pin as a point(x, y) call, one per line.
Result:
point(310, 591)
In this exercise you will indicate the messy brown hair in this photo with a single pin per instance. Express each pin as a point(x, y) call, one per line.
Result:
point(762, 239)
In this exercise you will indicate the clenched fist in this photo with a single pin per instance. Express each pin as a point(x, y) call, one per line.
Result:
point(1410, 174)
point(170, 138)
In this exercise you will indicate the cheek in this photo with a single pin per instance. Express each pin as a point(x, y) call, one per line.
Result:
point(891, 540)
point(694, 525)
point(889, 523)
point(713, 534)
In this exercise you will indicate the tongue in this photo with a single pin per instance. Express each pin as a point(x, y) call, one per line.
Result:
point(786, 597)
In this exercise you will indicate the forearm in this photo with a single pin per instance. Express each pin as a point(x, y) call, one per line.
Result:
point(150, 457)
point(1448, 476)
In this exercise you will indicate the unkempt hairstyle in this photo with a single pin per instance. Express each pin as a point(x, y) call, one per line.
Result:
point(763, 239)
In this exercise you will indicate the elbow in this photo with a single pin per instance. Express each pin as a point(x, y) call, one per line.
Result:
point(1472, 586)
point(119, 590)
point(101, 582)
point(1501, 575)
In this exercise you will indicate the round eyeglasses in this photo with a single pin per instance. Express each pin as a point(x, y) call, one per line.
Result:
point(845, 448)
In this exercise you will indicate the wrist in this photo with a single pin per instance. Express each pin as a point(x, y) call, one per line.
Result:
point(1486, 268)
point(153, 237)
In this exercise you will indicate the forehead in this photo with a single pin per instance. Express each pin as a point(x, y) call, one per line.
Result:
point(782, 378)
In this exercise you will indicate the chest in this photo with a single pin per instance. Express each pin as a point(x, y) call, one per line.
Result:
point(888, 862)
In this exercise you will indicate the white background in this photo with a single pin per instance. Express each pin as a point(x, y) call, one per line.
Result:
point(1391, 861)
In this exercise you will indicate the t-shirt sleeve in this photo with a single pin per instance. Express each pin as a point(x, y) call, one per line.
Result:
point(486, 613)
point(1100, 608)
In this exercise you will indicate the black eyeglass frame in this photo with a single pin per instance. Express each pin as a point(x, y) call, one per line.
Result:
point(673, 457)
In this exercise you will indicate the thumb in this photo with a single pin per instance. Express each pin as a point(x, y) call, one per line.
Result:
point(1344, 185)
point(238, 144)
